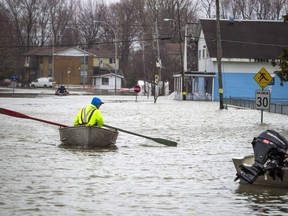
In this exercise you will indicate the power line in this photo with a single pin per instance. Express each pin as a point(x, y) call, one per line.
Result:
point(148, 40)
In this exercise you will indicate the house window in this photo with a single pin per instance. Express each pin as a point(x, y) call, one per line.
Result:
point(49, 72)
point(203, 53)
point(27, 61)
point(105, 81)
point(41, 70)
point(84, 59)
point(50, 66)
point(199, 54)
point(111, 60)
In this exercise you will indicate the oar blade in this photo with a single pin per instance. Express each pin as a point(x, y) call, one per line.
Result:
point(20, 115)
point(165, 142)
point(12, 113)
point(158, 140)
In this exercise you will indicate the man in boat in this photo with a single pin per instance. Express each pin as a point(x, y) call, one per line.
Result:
point(90, 115)
point(61, 91)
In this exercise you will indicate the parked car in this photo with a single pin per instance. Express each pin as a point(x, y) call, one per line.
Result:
point(43, 82)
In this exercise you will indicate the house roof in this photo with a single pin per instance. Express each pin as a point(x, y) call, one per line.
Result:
point(246, 38)
point(44, 51)
point(68, 51)
point(102, 53)
point(108, 74)
point(73, 52)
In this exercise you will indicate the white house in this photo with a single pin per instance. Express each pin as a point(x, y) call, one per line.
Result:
point(109, 81)
point(247, 47)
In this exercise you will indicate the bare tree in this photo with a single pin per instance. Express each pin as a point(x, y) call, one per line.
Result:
point(24, 15)
point(208, 8)
point(246, 9)
point(90, 12)
point(9, 51)
point(278, 8)
point(62, 14)
point(41, 31)
point(124, 15)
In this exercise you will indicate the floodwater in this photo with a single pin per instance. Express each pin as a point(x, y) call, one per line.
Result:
point(140, 177)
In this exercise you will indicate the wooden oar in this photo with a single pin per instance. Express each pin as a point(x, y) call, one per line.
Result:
point(158, 140)
point(20, 115)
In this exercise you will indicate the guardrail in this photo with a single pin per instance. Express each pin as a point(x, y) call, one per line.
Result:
point(280, 108)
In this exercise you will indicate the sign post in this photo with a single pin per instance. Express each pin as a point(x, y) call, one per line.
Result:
point(13, 82)
point(262, 101)
point(137, 89)
point(263, 78)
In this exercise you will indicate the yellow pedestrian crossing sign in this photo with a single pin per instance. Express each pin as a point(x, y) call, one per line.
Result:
point(263, 78)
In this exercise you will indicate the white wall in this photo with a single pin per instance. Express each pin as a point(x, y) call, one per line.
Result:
point(243, 67)
point(97, 82)
point(203, 63)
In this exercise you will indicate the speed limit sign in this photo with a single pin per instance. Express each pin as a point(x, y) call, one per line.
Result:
point(262, 99)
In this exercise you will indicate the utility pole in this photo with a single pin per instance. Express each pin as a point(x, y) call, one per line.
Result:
point(158, 63)
point(158, 77)
point(145, 77)
point(219, 55)
point(158, 49)
point(181, 55)
point(84, 68)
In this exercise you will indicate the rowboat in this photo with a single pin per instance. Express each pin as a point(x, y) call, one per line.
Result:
point(266, 179)
point(62, 94)
point(88, 137)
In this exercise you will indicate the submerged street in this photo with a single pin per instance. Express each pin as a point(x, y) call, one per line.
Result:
point(140, 177)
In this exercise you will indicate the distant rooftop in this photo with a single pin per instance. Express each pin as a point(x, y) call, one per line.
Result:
point(47, 51)
point(253, 39)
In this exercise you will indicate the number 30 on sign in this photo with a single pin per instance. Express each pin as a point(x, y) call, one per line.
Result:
point(262, 99)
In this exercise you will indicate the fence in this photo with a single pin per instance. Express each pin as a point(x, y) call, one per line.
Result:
point(280, 108)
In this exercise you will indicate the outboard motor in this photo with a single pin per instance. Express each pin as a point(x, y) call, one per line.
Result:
point(270, 154)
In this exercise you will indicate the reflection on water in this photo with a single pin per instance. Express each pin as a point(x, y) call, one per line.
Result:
point(87, 149)
point(265, 200)
point(140, 177)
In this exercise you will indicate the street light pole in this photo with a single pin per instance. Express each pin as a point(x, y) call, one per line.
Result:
point(146, 84)
point(158, 50)
point(68, 73)
point(53, 58)
point(181, 55)
point(158, 62)
point(115, 67)
point(185, 48)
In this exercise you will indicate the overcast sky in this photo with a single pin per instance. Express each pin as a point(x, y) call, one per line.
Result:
point(110, 1)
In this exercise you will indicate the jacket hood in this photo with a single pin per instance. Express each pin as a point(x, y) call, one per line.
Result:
point(96, 102)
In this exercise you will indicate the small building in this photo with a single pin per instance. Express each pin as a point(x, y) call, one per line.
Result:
point(247, 47)
point(107, 81)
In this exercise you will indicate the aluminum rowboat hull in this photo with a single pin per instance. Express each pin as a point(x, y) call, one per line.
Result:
point(264, 179)
point(92, 136)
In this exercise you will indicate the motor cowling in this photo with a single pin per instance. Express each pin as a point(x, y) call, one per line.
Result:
point(269, 153)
